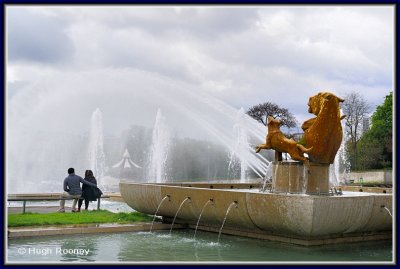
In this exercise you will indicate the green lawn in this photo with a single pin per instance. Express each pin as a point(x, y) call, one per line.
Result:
point(97, 216)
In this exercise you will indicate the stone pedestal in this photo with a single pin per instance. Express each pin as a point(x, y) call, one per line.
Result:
point(295, 177)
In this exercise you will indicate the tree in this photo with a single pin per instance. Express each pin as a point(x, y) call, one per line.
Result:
point(356, 108)
point(370, 153)
point(376, 144)
point(382, 124)
point(262, 111)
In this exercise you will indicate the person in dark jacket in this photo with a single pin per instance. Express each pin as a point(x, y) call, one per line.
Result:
point(88, 191)
point(72, 189)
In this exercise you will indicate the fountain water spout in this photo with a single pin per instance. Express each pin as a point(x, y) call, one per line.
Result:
point(96, 146)
point(266, 180)
point(158, 207)
point(234, 203)
point(176, 214)
point(198, 221)
point(159, 150)
point(387, 209)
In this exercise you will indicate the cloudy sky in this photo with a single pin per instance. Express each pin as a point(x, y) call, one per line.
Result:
point(241, 55)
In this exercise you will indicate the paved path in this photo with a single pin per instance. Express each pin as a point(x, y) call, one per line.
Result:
point(114, 196)
point(36, 209)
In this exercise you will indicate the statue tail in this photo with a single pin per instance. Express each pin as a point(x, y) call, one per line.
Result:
point(303, 149)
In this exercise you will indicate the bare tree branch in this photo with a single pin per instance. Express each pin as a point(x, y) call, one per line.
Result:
point(356, 108)
point(262, 111)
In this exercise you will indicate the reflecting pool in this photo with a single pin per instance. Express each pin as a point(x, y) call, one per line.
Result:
point(161, 246)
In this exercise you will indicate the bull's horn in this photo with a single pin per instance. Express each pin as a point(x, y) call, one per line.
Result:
point(340, 99)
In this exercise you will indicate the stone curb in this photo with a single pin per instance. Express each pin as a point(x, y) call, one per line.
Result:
point(87, 229)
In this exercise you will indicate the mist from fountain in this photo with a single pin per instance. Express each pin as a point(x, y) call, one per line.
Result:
point(267, 179)
point(218, 129)
point(45, 146)
point(333, 174)
point(96, 154)
point(345, 157)
point(240, 150)
point(159, 150)
point(341, 167)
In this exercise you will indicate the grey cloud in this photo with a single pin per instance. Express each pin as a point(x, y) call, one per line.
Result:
point(14, 87)
point(221, 22)
point(36, 37)
point(254, 49)
point(243, 56)
point(316, 42)
point(128, 48)
point(195, 22)
point(232, 36)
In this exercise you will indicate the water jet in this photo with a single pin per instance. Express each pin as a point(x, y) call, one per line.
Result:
point(235, 204)
point(176, 214)
point(96, 154)
point(201, 213)
point(158, 207)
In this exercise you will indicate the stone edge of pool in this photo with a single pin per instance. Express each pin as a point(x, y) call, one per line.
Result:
point(25, 232)
point(22, 232)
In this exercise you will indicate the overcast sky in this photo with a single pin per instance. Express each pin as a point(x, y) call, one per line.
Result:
point(241, 55)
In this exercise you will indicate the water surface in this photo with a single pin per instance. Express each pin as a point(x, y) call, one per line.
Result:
point(161, 246)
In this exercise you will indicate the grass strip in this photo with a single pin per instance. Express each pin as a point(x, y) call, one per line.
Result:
point(83, 217)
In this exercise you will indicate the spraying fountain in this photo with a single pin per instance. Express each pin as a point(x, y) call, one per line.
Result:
point(300, 208)
point(96, 154)
point(159, 149)
point(53, 144)
point(241, 149)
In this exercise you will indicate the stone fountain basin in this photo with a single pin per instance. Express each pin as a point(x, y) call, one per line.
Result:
point(306, 216)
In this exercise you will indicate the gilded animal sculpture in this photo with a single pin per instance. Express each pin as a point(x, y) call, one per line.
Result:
point(278, 141)
point(323, 134)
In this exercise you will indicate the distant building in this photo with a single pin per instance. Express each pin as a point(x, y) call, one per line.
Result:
point(365, 124)
point(127, 168)
point(297, 136)
point(126, 161)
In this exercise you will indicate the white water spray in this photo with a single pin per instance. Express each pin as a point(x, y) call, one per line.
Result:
point(44, 145)
point(240, 149)
point(159, 150)
point(339, 170)
point(96, 154)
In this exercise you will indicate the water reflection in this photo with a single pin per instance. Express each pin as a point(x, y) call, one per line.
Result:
point(78, 249)
point(180, 246)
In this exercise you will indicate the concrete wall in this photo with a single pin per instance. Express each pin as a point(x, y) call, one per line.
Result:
point(385, 177)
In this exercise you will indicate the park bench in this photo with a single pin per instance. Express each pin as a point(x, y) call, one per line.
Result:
point(38, 197)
